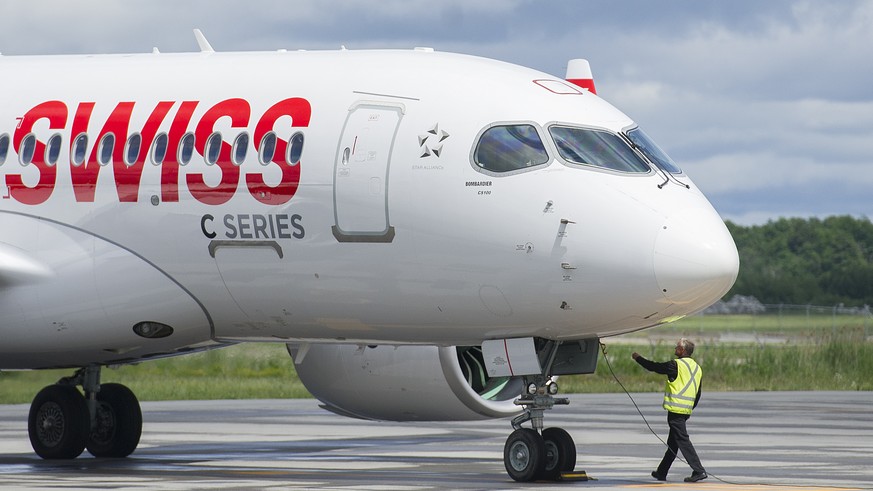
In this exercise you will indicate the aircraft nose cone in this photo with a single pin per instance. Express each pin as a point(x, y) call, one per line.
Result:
point(696, 260)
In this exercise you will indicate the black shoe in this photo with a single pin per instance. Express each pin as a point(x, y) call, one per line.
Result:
point(658, 477)
point(694, 477)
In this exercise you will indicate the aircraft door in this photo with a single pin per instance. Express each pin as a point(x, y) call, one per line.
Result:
point(360, 180)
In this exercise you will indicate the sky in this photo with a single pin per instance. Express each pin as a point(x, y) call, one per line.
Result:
point(767, 105)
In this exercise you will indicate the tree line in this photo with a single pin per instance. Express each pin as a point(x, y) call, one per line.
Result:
point(806, 261)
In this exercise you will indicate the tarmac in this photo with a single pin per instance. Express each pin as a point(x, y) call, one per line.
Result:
point(746, 440)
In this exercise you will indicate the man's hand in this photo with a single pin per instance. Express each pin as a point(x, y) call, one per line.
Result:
point(635, 355)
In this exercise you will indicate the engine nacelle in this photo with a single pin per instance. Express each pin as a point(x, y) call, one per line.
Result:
point(405, 383)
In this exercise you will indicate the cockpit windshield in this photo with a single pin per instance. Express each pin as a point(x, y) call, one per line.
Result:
point(652, 151)
point(596, 148)
point(510, 147)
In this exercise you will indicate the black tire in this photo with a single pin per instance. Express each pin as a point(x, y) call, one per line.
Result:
point(560, 453)
point(58, 423)
point(524, 455)
point(118, 422)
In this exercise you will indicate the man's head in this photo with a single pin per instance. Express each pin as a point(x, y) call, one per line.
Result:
point(684, 347)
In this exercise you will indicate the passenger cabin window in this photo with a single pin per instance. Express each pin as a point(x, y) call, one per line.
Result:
point(80, 147)
point(510, 148)
point(28, 148)
point(53, 149)
point(267, 149)
point(240, 148)
point(652, 151)
point(295, 149)
point(213, 148)
point(131, 149)
point(159, 148)
point(107, 146)
point(4, 147)
point(186, 148)
point(596, 148)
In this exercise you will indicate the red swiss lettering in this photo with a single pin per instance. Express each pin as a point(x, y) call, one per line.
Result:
point(239, 112)
point(170, 167)
point(84, 176)
point(56, 114)
point(300, 112)
point(128, 178)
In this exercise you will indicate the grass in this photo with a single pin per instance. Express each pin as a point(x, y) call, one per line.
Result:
point(839, 363)
point(825, 353)
point(790, 324)
point(244, 371)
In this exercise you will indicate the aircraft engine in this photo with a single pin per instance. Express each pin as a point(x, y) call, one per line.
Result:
point(404, 383)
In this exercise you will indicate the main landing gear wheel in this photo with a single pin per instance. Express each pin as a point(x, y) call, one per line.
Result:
point(62, 422)
point(524, 455)
point(560, 453)
point(58, 423)
point(117, 422)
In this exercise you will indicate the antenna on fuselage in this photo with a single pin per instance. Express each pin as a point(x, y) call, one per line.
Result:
point(205, 47)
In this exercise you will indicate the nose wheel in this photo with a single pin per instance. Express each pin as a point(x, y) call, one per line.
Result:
point(533, 454)
point(524, 455)
point(560, 453)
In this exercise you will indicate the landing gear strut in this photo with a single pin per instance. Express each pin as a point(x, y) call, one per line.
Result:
point(538, 453)
point(532, 454)
point(107, 420)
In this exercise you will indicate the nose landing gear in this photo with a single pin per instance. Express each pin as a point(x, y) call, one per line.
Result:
point(538, 453)
point(532, 454)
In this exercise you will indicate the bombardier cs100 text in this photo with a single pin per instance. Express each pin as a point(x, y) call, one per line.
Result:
point(434, 236)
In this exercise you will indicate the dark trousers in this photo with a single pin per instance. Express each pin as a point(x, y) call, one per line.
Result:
point(676, 441)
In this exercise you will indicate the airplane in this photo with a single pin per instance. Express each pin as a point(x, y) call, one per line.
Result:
point(434, 236)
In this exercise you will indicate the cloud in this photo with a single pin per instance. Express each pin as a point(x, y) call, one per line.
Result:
point(741, 171)
point(803, 50)
point(105, 26)
point(750, 188)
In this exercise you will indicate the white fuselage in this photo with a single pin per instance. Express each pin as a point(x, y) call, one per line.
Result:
point(401, 239)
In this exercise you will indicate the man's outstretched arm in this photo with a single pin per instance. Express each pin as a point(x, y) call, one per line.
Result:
point(667, 368)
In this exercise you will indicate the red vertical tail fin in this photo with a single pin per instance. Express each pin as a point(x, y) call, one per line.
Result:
point(579, 73)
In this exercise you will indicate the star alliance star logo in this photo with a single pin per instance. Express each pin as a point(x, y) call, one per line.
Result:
point(431, 143)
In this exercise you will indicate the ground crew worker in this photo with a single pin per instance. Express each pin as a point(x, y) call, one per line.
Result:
point(680, 397)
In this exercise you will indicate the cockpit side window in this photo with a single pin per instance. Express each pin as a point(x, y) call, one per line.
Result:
point(596, 148)
point(508, 148)
point(652, 151)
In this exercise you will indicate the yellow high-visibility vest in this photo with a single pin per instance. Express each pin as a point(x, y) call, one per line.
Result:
point(680, 394)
